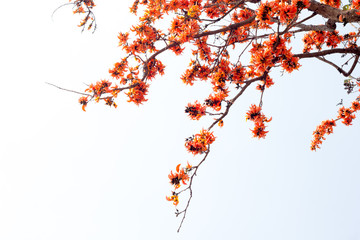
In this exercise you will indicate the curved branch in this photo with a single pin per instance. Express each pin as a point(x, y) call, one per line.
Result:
point(346, 74)
point(329, 51)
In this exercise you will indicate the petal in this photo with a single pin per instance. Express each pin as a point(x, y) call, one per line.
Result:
point(178, 167)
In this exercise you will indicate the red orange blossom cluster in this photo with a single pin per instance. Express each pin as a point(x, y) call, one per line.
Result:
point(235, 44)
point(346, 115)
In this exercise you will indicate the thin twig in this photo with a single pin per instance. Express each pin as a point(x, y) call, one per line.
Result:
point(190, 189)
point(68, 90)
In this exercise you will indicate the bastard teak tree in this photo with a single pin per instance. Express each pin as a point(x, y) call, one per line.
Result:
point(235, 44)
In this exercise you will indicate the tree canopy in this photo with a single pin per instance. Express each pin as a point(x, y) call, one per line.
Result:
point(234, 44)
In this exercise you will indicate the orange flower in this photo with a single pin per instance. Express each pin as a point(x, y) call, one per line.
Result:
point(137, 94)
point(110, 102)
point(214, 101)
point(180, 176)
point(290, 64)
point(194, 11)
point(259, 130)
point(174, 198)
point(188, 167)
point(333, 3)
point(347, 116)
point(199, 143)
point(326, 127)
point(83, 101)
point(265, 12)
point(355, 106)
point(254, 113)
point(195, 111)
point(300, 4)
point(119, 69)
point(287, 13)
point(221, 123)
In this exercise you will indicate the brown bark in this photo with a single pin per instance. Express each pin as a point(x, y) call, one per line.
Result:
point(333, 13)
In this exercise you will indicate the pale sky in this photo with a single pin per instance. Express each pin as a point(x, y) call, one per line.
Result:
point(67, 174)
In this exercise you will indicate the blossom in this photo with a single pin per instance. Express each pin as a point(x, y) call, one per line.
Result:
point(326, 127)
point(221, 123)
point(254, 113)
point(137, 94)
point(214, 100)
point(259, 130)
point(180, 176)
point(259, 119)
point(194, 11)
point(174, 198)
point(195, 111)
point(83, 101)
point(198, 143)
point(333, 3)
point(346, 114)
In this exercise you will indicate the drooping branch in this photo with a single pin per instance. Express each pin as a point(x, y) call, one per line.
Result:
point(346, 74)
point(190, 189)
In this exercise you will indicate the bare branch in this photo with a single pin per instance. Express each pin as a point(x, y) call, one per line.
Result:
point(68, 90)
point(346, 74)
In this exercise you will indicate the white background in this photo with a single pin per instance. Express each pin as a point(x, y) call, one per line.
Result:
point(67, 174)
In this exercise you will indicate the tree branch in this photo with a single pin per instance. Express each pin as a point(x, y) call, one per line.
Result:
point(329, 51)
point(64, 89)
point(346, 74)
point(190, 189)
point(333, 13)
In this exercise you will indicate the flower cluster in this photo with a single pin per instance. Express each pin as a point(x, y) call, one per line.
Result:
point(138, 92)
point(218, 33)
point(355, 4)
point(199, 143)
point(181, 176)
point(99, 88)
point(347, 115)
point(174, 198)
point(259, 119)
point(318, 38)
point(84, 7)
point(196, 110)
point(83, 101)
point(326, 127)
point(214, 100)
point(286, 11)
point(97, 91)
point(264, 56)
point(333, 3)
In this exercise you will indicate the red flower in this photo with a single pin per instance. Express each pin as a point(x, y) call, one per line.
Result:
point(195, 111)
point(199, 143)
point(180, 176)
point(174, 198)
point(83, 101)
